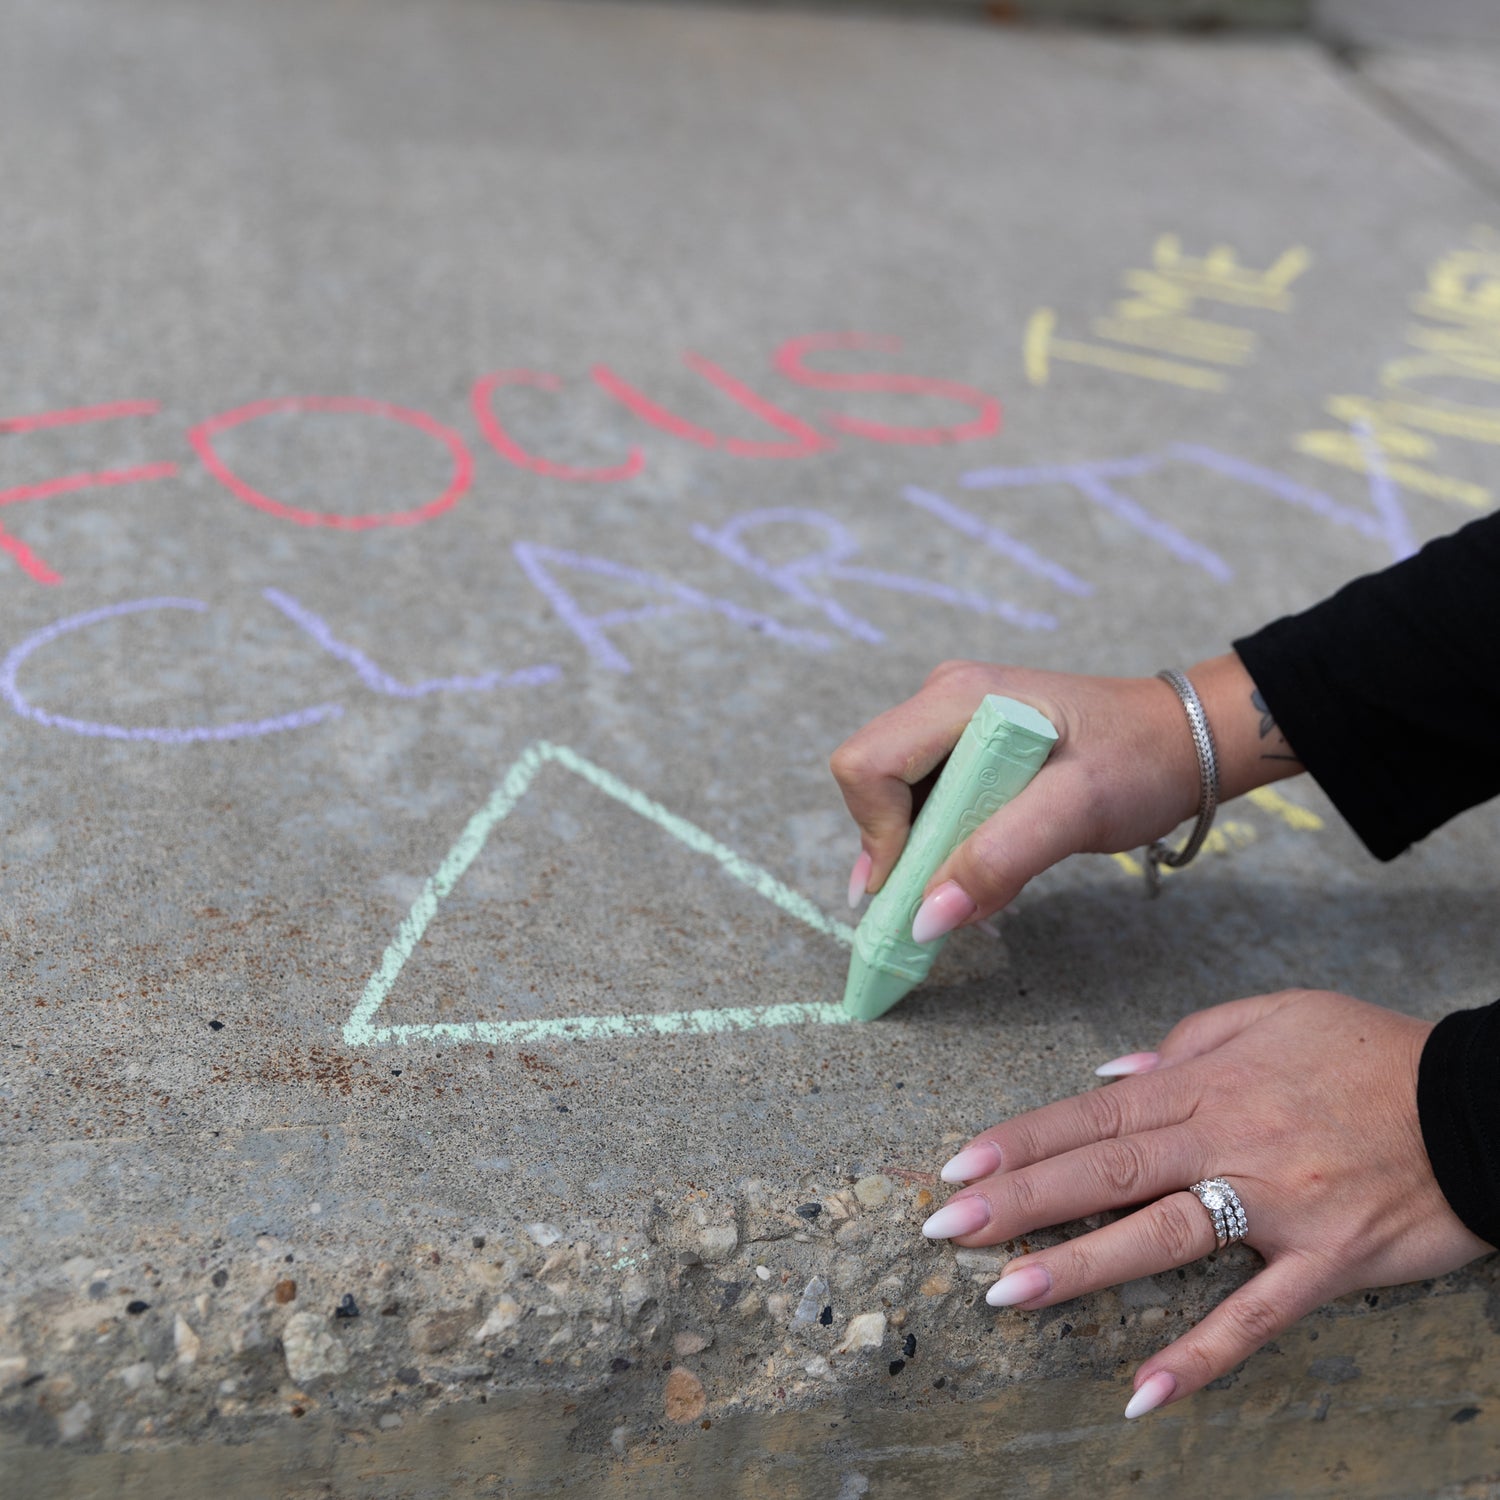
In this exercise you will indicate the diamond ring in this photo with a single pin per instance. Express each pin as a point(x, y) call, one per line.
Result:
point(1224, 1208)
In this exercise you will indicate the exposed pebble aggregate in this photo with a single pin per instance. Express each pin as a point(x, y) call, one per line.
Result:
point(745, 1301)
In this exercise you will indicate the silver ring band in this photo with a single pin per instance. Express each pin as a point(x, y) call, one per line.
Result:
point(1224, 1208)
point(1157, 854)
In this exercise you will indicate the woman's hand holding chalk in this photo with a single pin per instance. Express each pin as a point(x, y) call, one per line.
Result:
point(1123, 772)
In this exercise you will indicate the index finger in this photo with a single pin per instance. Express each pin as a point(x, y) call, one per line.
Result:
point(1147, 1101)
point(877, 766)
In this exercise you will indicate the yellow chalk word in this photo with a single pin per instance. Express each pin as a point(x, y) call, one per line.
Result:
point(1300, 818)
point(1164, 314)
point(1448, 384)
point(1397, 446)
point(1042, 347)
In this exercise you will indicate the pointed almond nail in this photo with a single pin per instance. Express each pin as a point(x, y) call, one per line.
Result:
point(977, 1160)
point(941, 912)
point(1151, 1392)
point(859, 878)
point(958, 1216)
point(1020, 1285)
point(1132, 1062)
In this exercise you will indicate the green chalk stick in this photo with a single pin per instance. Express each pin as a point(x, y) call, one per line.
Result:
point(999, 752)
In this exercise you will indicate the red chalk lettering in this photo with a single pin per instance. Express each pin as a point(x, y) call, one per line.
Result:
point(790, 361)
point(508, 448)
point(805, 440)
point(202, 438)
point(27, 560)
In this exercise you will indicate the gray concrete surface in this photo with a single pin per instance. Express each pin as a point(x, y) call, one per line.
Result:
point(627, 1253)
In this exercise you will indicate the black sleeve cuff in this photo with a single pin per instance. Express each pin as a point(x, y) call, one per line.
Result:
point(1458, 1105)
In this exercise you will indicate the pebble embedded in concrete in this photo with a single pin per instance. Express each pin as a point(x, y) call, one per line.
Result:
point(137, 1377)
point(814, 1297)
point(311, 1348)
point(874, 1190)
point(979, 1262)
point(186, 1342)
point(685, 1399)
point(74, 1422)
point(718, 1243)
point(504, 1316)
point(865, 1331)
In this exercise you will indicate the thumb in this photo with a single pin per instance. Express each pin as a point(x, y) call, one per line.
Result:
point(1046, 823)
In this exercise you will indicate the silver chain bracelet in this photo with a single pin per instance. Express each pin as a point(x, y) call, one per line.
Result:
point(1157, 854)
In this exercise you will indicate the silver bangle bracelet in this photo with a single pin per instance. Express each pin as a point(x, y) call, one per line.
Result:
point(1157, 854)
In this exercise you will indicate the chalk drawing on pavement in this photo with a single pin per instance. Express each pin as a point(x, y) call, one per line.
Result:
point(360, 1029)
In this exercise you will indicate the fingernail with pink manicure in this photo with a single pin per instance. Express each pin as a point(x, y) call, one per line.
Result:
point(859, 878)
point(1132, 1062)
point(958, 1216)
point(978, 1160)
point(1020, 1285)
point(941, 912)
point(1151, 1392)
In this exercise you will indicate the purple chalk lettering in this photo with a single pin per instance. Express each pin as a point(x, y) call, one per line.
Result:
point(1385, 496)
point(537, 562)
point(165, 734)
point(832, 563)
point(996, 540)
point(1388, 525)
point(1092, 481)
point(382, 682)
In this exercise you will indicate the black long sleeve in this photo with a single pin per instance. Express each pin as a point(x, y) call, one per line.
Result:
point(1389, 693)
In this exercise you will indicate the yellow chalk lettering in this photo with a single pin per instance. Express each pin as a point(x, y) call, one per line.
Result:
point(1041, 348)
point(1464, 285)
point(1396, 445)
point(1481, 340)
point(1193, 338)
point(1039, 328)
point(1218, 277)
point(1228, 836)
point(1480, 424)
point(1300, 818)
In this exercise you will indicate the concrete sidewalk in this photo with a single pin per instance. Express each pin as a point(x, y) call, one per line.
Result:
point(464, 467)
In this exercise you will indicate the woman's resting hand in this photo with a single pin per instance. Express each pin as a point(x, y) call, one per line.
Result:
point(1305, 1101)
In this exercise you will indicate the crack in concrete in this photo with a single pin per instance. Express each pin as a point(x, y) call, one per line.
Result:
point(1348, 59)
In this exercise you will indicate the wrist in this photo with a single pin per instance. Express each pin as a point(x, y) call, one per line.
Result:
point(1252, 751)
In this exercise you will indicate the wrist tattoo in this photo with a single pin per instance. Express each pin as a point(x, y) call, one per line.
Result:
point(1268, 727)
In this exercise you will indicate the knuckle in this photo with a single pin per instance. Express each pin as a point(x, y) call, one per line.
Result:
point(1253, 1319)
point(946, 671)
point(1122, 1169)
point(1177, 1232)
point(1104, 1113)
point(849, 763)
point(1075, 1269)
point(1022, 1196)
point(1019, 1145)
point(1188, 1028)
